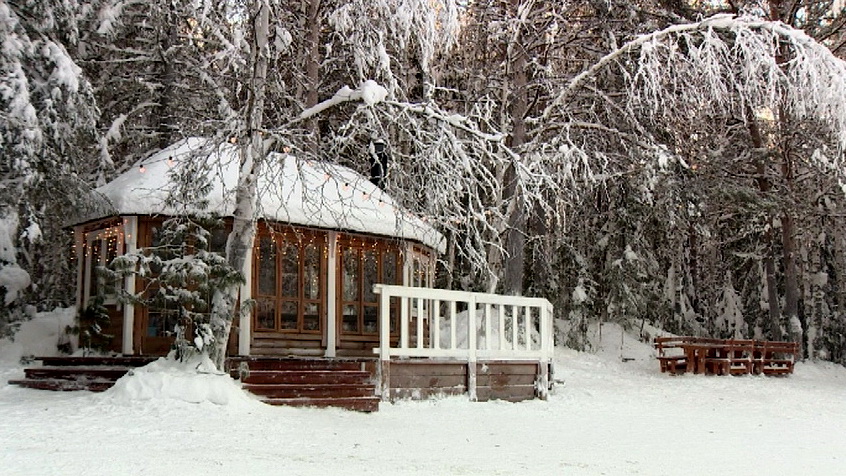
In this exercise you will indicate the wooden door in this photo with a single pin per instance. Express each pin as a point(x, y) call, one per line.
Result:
point(363, 262)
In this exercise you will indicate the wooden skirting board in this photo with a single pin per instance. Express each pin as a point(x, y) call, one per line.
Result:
point(495, 380)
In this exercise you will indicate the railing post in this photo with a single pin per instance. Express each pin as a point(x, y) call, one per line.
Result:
point(420, 318)
point(471, 348)
point(501, 311)
point(488, 326)
point(384, 341)
point(435, 329)
point(542, 382)
point(452, 325)
point(515, 321)
point(131, 244)
point(403, 317)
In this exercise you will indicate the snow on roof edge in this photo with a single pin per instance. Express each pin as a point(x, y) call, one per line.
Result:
point(297, 192)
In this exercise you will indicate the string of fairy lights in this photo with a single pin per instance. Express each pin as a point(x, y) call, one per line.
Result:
point(114, 238)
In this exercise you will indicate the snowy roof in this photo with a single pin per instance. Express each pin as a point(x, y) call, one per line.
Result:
point(307, 193)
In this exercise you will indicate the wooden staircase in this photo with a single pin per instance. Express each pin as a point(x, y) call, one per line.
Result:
point(314, 382)
point(278, 381)
point(94, 374)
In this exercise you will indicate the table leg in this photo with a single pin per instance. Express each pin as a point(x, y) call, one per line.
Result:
point(690, 355)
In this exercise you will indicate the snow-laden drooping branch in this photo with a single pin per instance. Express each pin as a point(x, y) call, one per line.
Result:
point(457, 121)
point(728, 63)
point(369, 93)
point(734, 65)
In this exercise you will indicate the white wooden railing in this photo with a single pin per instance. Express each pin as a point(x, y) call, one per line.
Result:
point(434, 323)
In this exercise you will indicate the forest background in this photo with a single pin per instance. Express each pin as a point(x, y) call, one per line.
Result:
point(631, 161)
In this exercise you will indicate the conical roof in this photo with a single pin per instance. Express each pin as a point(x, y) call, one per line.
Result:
point(307, 193)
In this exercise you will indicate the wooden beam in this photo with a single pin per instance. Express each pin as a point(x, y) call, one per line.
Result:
point(331, 294)
point(130, 233)
point(245, 323)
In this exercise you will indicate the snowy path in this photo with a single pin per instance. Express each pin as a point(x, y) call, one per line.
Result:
point(608, 418)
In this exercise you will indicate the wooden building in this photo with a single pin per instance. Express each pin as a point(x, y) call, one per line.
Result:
point(325, 236)
point(338, 271)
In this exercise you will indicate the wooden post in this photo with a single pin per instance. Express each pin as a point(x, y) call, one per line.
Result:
point(245, 294)
point(79, 244)
point(453, 324)
point(331, 294)
point(542, 380)
point(488, 326)
point(130, 232)
point(404, 312)
point(471, 349)
point(435, 328)
point(385, 375)
point(384, 341)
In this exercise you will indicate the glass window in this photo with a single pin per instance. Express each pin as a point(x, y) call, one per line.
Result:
point(371, 318)
point(350, 318)
point(389, 264)
point(289, 315)
point(217, 240)
point(266, 268)
point(311, 316)
point(311, 273)
point(96, 252)
point(265, 314)
point(350, 263)
point(290, 270)
point(161, 324)
point(292, 280)
point(371, 275)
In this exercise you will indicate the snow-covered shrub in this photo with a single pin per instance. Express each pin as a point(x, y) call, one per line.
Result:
point(182, 277)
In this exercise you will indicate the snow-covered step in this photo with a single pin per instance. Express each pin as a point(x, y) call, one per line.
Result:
point(361, 404)
point(104, 373)
point(315, 377)
point(309, 382)
point(64, 385)
point(310, 391)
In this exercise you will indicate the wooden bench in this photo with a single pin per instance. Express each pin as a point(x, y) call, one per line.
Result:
point(725, 356)
point(775, 357)
point(674, 363)
point(740, 353)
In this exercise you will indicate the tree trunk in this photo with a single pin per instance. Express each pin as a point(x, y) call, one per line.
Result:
point(312, 66)
point(515, 233)
point(252, 153)
point(788, 227)
point(764, 186)
point(164, 117)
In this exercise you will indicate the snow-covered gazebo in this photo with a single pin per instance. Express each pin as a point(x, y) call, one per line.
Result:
point(326, 235)
point(341, 277)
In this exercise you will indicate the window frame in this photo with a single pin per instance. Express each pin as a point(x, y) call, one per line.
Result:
point(362, 245)
point(301, 239)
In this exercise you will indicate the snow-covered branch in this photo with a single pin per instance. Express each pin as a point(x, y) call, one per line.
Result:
point(369, 93)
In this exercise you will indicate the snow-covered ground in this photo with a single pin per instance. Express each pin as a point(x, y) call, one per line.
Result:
point(607, 417)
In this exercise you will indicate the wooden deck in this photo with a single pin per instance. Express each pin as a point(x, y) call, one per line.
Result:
point(700, 355)
point(495, 380)
point(350, 383)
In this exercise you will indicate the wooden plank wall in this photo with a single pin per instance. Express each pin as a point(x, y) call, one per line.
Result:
point(495, 380)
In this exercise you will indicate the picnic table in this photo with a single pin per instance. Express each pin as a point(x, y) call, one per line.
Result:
point(702, 355)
